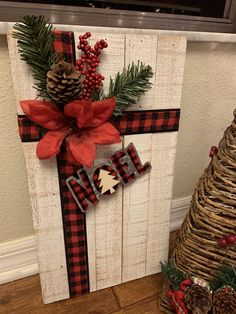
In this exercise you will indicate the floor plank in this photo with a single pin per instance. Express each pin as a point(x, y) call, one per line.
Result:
point(147, 306)
point(134, 291)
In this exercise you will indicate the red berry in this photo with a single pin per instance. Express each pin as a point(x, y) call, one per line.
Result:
point(231, 239)
point(105, 45)
point(83, 73)
point(80, 37)
point(213, 151)
point(222, 242)
point(88, 34)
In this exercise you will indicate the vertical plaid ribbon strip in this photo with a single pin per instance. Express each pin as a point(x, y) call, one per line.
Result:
point(73, 220)
point(74, 223)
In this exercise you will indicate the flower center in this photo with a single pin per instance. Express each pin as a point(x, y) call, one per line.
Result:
point(74, 128)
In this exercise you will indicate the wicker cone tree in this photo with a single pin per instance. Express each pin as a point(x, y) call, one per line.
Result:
point(212, 216)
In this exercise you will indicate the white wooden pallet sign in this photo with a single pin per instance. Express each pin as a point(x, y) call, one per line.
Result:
point(127, 234)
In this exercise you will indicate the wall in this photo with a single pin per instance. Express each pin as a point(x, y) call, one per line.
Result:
point(208, 101)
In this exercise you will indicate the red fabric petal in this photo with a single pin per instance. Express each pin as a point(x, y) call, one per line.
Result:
point(44, 113)
point(102, 111)
point(70, 157)
point(104, 134)
point(49, 145)
point(81, 110)
point(83, 150)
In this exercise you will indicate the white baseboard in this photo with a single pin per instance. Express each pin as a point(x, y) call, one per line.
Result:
point(18, 259)
point(179, 210)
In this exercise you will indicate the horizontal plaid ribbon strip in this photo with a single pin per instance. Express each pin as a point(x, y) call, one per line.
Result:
point(132, 122)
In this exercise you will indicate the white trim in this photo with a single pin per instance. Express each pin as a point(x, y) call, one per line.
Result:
point(190, 35)
point(179, 210)
point(18, 259)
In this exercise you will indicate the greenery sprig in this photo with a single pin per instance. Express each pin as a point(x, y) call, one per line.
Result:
point(129, 85)
point(35, 42)
point(226, 276)
point(173, 276)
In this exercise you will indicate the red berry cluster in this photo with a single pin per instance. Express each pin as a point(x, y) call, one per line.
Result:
point(227, 240)
point(88, 63)
point(213, 151)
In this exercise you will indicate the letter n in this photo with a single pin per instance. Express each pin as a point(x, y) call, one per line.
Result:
point(82, 190)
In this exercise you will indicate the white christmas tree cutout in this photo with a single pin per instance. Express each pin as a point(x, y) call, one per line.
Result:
point(107, 181)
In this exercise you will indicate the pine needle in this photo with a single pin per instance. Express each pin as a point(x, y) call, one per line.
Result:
point(173, 276)
point(226, 276)
point(129, 85)
point(35, 42)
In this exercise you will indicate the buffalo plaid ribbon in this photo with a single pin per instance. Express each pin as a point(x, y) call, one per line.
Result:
point(74, 223)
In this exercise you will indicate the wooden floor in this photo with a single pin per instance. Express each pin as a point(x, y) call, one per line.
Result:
point(140, 296)
point(136, 297)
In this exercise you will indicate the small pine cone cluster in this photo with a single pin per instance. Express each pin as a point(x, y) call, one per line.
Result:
point(63, 82)
point(198, 299)
point(224, 301)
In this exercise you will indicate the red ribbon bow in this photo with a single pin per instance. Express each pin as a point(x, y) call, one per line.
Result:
point(83, 124)
point(177, 297)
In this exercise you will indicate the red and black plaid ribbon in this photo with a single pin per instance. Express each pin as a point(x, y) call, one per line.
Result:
point(73, 220)
point(132, 122)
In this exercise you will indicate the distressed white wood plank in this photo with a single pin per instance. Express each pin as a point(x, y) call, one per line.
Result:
point(112, 57)
point(143, 48)
point(160, 195)
point(104, 233)
point(21, 74)
point(135, 214)
point(47, 222)
point(171, 51)
point(104, 224)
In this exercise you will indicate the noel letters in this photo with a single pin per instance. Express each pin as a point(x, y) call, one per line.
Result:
point(123, 167)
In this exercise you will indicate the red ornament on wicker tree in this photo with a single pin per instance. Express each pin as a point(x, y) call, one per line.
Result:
point(83, 124)
point(229, 239)
point(213, 151)
point(88, 64)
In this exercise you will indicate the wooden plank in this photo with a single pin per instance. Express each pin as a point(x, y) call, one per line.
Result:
point(21, 74)
point(160, 195)
point(171, 52)
point(104, 233)
point(147, 306)
point(137, 290)
point(104, 224)
point(141, 47)
point(47, 222)
point(44, 197)
point(146, 206)
point(135, 214)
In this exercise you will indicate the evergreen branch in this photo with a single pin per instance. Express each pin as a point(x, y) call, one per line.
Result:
point(35, 43)
point(226, 276)
point(173, 276)
point(129, 85)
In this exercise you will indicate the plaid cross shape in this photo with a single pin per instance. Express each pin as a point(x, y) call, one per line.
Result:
point(74, 223)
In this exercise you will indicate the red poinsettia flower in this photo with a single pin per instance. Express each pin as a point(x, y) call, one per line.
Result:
point(83, 124)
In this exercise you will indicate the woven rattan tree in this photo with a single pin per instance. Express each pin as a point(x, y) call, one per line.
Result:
point(201, 246)
point(212, 215)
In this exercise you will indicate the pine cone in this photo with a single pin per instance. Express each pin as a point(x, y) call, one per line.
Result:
point(224, 301)
point(198, 299)
point(63, 82)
